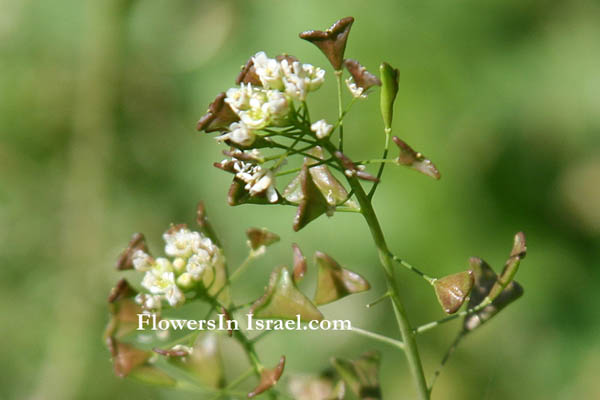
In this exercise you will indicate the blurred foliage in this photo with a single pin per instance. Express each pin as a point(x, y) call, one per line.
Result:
point(98, 104)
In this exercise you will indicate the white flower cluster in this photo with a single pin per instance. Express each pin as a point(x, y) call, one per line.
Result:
point(282, 82)
point(193, 255)
point(258, 179)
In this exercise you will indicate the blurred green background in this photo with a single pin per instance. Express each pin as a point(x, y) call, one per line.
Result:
point(98, 104)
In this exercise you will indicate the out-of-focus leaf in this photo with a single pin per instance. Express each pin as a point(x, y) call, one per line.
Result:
point(152, 375)
point(204, 223)
point(415, 160)
point(268, 378)
point(123, 309)
point(137, 242)
point(311, 203)
point(331, 42)
point(299, 263)
point(511, 293)
point(315, 388)
point(202, 360)
point(361, 375)
point(389, 90)
point(125, 357)
point(511, 266)
point(282, 300)
point(258, 237)
point(335, 282)
point(501, 290)
point(452, 290)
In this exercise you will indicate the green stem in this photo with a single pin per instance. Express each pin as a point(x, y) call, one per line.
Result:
point(384, 339)
point(338, 76)
point(408, 336)
point(430, 325)
point(388, 134)
point(413, 269)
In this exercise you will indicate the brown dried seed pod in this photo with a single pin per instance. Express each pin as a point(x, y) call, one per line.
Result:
point(361, 76)
point(137, 242)
point(331, 42)
point(218, 117)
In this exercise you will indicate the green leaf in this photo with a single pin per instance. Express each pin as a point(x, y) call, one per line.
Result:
point(335, 282)
point(452, 290)
point(361, 375)
point(282, 300)
point(389, 90)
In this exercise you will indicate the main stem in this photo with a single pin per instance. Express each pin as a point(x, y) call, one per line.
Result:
point(408, 336)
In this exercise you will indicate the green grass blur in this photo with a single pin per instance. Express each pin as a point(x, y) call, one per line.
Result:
point(98, 104)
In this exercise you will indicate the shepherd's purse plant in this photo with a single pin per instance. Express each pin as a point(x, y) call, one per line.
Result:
point(278, 154)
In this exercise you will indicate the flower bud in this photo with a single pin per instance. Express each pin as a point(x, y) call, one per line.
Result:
point(389, 80)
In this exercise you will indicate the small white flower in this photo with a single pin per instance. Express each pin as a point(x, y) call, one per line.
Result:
point(268, 71)
point(158, 282)
point(183, 347)
point(256, 117)
point(180, 243)
point(142, 261)
point(277, 106)
point(299, 79)
point(257, 179)
point(314, 76)
point(238, 133)
point(321, 128)
point(239, 98)
point(356, 90)
point(148, 301)
point(174, 296)
point(198, 263)
point(162, 265)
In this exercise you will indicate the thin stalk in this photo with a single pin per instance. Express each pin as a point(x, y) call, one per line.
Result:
point(413, 269)
point(408, 336)
point(388, 134)
point(381, 338)
point(449, 352)
point(338, 76)
point(430, 325)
